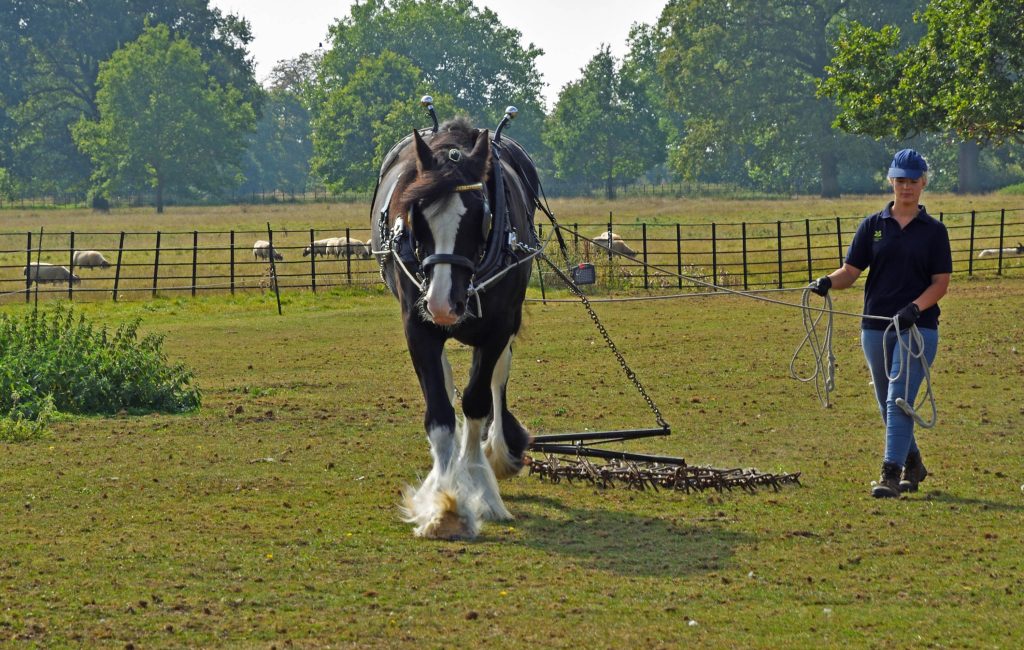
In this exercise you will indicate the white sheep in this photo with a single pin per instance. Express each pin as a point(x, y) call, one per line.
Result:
point(345, 246)
point(89, 260)
point(43, 272)
point(618, 245)
point(1007, 252)
point(320, 247)
point(261, 250)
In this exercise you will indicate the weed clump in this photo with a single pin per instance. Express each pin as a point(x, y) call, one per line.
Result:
point(56, 361)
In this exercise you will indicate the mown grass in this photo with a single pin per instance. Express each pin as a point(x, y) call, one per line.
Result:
point(268, 518)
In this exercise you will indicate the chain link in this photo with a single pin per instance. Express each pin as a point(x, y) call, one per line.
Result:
point(608, 340)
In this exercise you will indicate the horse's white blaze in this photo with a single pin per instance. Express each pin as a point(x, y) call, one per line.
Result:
point(501, 461)
point(444, 218)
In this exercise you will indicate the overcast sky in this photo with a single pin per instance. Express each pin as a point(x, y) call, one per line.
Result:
point(568, 31)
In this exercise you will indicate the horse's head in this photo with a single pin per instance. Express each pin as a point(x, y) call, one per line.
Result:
point(448, 215)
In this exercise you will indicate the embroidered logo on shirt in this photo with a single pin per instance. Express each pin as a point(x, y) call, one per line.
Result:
point(878, 235)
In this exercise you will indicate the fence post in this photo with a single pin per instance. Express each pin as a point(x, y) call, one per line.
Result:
point(839, 240)
point(28, 266)
point(679, 256)
point(778, 248)
point(156, 263)
point(273, 268)
point(1002, 229)
point(714, 253)
point(746, 286)
point(643, 233)
point(312, 261)
point(810, 263)
point(71, 262)
point(609, 236)
point(231, 261)
point(195, 255)
point(117, 271)
point(970, 250)
point(348, 255)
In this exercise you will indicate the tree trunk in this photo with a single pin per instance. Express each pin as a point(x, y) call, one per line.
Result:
point(969, 179)
point(159, 195)
point(829, 175)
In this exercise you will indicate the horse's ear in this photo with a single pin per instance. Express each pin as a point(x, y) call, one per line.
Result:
point(424, 156)
point(481, 153)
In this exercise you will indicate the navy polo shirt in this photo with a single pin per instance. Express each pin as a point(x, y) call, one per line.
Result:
point(902, 263)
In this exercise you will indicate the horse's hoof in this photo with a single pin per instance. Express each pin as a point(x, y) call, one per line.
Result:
point(445, 522)
point(447, 526)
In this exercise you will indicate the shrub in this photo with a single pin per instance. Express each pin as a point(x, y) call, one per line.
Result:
point(57, 358)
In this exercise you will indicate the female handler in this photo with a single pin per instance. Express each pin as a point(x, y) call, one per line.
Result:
point(910, 260)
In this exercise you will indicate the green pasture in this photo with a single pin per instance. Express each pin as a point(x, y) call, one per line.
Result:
point(269, 517)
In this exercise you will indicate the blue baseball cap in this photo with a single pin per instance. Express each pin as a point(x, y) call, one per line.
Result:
point(907, 163)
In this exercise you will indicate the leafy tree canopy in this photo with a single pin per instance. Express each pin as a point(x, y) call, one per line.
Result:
point(744, 73)
point(163, 120)
point(50, 55)
point(604, 127)
point(444, 48)
point(964, 76)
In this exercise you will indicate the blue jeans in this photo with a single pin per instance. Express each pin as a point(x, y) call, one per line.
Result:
point(899, 427)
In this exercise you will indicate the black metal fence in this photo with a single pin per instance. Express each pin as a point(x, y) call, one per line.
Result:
point(747, 255)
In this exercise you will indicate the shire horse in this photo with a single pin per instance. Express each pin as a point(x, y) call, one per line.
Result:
point(452, 224)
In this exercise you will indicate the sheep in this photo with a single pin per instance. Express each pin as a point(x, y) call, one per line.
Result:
point(43, 272)
point(89, 260)
point(617, 244)
point(345, 246)
point(320, 247)
point(1007, 252)
point(261, 248)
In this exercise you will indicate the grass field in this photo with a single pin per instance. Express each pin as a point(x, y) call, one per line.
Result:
point(269, 517)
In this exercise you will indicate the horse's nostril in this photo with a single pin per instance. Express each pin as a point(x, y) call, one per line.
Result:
point(460, 306)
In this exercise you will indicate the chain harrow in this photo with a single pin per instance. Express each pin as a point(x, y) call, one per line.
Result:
point(656, 476)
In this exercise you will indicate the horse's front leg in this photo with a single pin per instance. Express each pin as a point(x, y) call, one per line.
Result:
point(507, 439)
point(442, 507)
point(477, 407)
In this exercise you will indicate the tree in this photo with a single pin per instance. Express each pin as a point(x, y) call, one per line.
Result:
point(279, 152)
point(359, 121)
point(164, 120)
point(744, 76)
point(58, 46)
point(604, 128)
point(964, 76)
point(457, 51)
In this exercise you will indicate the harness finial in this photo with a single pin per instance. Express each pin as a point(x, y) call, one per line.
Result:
point(427, 102)
point(510, 114)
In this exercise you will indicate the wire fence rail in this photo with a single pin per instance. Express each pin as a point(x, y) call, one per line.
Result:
point(652, 257)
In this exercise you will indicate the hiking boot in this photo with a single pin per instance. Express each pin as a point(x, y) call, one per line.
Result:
point(888, 485)
point(913, 472)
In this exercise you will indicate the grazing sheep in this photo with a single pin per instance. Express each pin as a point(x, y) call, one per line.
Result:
point(320, 247)
point(617, 244)
point(344, 246)
point(368, 249)
point(261, 250)
point(43, 273)
point(1007, 252)
point(89, 260)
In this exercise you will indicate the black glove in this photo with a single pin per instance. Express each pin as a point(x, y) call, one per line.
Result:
point(821, 286)
point(907, 316)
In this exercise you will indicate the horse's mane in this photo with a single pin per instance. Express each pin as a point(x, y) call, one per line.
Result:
point(457, 133)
